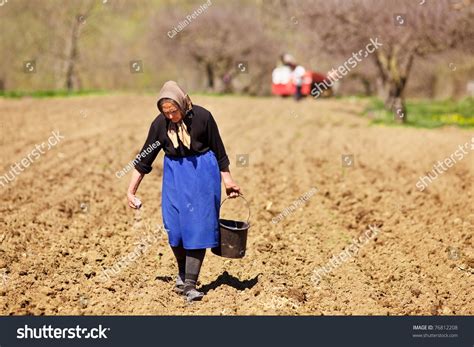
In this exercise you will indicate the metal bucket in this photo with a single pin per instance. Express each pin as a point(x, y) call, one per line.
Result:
point(233, 236)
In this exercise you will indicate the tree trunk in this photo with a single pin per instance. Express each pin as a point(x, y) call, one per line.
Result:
point(72, 56)
point(227, 83)
point(210, 76)
point(391, 83)
point(382, 90)
point(367, 86)
point(398, 108)
point(392, 93)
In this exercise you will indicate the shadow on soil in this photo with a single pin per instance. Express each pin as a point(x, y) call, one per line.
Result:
point(228, 279)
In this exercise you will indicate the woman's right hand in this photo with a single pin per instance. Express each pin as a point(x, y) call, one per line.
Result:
point(133, 187)
point(131, 200)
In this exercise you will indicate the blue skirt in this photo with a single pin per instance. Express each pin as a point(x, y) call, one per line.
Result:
point(191, 198)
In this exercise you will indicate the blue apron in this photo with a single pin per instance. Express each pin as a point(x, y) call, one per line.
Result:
point(191, 197)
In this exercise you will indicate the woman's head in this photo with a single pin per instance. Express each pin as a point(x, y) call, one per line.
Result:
point(170, 109)
point(173, 102)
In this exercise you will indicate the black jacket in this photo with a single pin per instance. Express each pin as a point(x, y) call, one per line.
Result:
point(204, 136)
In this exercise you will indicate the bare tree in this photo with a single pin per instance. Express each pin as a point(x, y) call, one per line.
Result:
point(407, 30)
point(68, 28)
point(70, 41)
point(217, 41)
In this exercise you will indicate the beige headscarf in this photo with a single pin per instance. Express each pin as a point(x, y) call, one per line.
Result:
point(171, 90)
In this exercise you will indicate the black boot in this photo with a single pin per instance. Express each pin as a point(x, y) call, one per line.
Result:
point(194, 259)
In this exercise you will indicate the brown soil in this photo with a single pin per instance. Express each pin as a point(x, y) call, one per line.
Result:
point(65, 217)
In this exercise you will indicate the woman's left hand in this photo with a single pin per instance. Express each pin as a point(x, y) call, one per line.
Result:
point(232, 189)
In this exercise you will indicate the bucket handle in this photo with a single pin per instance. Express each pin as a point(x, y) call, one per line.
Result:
point(246, 203)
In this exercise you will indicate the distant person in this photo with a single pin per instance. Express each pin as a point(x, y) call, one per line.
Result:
point(297, 74)
point(195, 161)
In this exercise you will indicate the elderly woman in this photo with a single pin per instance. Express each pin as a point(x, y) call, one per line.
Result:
point(195, 160)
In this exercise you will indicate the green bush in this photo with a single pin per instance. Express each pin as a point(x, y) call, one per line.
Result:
point(426, 113)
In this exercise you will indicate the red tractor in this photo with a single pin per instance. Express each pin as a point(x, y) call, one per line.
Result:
point(283, 85)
